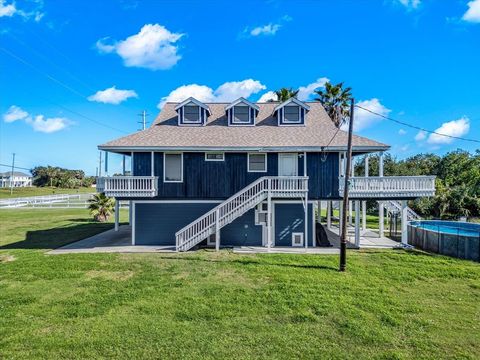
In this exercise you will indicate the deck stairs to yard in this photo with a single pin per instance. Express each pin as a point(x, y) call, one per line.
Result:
point(260, 190)
point(394, 207)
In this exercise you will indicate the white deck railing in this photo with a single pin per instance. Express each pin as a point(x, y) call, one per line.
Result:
point(389, 186)
point(128, 186)
point(239, 204)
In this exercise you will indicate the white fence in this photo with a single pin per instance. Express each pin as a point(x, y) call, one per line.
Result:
point(60, 201)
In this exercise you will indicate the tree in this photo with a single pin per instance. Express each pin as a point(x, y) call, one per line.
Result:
point(284, 94)
point(336, 101)
point(101, 207)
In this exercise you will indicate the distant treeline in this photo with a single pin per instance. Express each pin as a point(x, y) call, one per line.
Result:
point(457, 184)
point(59, 177)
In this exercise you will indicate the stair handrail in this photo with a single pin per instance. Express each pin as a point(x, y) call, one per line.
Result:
point(217, 209)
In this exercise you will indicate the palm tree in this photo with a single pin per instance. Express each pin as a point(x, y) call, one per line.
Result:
point(336, 101)
point(101, 207)
point(284, 94)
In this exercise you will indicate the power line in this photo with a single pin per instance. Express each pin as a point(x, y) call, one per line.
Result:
point(417, 127)
point(16, 167)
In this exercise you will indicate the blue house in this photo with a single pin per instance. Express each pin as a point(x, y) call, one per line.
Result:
point(243, 174)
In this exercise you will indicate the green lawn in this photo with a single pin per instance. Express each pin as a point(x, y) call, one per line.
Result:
point(38, 191)
point(388, 305)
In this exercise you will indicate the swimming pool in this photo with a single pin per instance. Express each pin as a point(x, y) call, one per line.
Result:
point(452, 238)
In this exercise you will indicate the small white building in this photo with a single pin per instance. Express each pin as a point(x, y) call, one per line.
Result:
point(15, 179)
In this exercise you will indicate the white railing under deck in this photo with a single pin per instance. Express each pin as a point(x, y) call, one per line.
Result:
point(239, 204)
point(128, 186)
point(389, 186)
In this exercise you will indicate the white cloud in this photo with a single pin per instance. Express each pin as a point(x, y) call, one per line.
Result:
point(421, 135)
point(7, 9)
point(269, 29)
point(410, 4)
point(305, 92)
point(49, 125)
point(38, 123)
point(457, 128)
point(112, 95)
point(473, 12)
point(14, 113)
point(269, 95)
point(226, 92)
point(401, 132)
point(364, 119)
point(154, 47)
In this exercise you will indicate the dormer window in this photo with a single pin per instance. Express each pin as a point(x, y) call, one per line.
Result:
point(291, 112)
point(242, 112)
point(192, 112)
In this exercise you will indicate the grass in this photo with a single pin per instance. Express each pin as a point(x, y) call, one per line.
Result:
point(38, 191)
point(388, 305)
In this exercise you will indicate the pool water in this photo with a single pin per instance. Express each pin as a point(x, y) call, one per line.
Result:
point(449, 227)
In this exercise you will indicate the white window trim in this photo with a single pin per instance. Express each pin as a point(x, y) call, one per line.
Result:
point(257, 171)
point(211, 240)
point(293, 237)
point(199, 121)
point(215, 152)
point(299, 121)
point(181, 167)
point(236, 122)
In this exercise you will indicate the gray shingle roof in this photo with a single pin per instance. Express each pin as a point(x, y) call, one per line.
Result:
point(166, 134)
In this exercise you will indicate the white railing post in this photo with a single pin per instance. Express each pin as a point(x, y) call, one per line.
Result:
point(217, 230)
point(269, 214)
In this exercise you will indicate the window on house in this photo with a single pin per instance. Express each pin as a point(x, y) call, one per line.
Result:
point(214, 156)
point(257, 162)
point(173, 168)
point(191, 114)
point(241, 114)
point(291, 114)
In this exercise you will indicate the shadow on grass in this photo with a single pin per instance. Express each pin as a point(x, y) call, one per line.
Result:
point(59, 236)
point(252, 262)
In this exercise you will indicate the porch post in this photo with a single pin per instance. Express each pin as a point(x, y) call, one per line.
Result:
point(130, 210)
point(329, 214)
point(306, 221)
point(350, 212)
point(381, 219)
point(269, 215)
point(357, 223)
point(340, 213)
point(319, 211)
point(117, 213)
point(217, 231)
point(364, 203)
point(404, 222)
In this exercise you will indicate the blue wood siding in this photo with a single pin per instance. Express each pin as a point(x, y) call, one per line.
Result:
point(142, 163)
point(242, 231)
point(290, 218)
point(322, 171)
point(203, 180)
point(157, 223)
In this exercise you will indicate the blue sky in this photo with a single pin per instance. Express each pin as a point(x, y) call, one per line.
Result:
point(77, 74)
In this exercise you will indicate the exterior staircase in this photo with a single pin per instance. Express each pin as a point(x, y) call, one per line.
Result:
point(264, 188)
point(395, 207)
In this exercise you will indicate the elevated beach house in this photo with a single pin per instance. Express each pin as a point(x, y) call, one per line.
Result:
point(244, 174)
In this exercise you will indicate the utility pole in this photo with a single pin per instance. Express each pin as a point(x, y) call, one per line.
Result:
point(143, 122)
point(343, 234)
point(11, 174)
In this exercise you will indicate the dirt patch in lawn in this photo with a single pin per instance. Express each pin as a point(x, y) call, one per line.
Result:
point(4, 258)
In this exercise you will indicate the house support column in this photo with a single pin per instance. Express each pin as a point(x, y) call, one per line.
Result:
point(381, 219)
point(269, 216)
point(329, 214)
point(357, 223)
point(350, 213)
point(130, 211)
point(306, 221)
point(404, 222)
point(364, 215)
point(117, 213)
point(217, 231)
point(319, 211)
